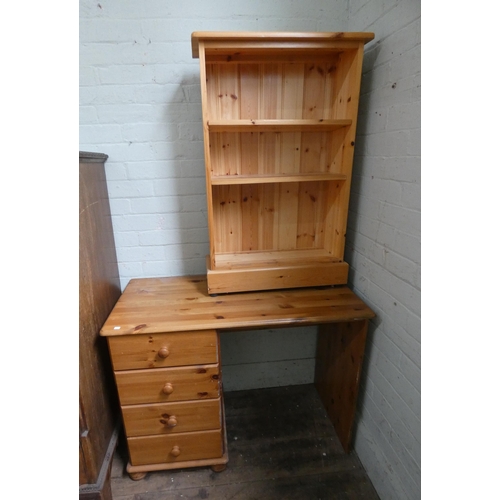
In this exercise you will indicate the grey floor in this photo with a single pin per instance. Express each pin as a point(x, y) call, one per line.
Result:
point(281, 445)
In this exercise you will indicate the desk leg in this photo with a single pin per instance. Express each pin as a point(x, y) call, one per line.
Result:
point(339, 358)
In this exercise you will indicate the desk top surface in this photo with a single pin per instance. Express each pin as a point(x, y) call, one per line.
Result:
point(177, 304)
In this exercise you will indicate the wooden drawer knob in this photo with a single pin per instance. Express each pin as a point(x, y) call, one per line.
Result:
point(172, 421)
point(168, 388)
point(175, 451)
point(163, 353)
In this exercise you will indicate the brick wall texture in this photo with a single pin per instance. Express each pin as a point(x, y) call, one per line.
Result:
point(383, 244)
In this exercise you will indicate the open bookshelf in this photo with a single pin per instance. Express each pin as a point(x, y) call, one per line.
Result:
point(279, 122)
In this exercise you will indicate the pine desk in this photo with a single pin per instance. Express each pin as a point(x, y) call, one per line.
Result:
point(163, 337)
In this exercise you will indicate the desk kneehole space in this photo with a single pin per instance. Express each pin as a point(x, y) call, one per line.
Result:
point(163, 337)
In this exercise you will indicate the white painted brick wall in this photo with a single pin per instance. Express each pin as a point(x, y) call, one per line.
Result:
point(140, 104)
point(268, 358)
point(383, 244)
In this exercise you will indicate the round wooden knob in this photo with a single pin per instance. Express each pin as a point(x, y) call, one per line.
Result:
point(168, 388)
point(163, 352)
point(172, 421)
point(175, 451)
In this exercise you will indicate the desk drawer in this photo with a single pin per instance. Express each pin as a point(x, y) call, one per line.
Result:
point(159, 350)
point(171, 418)
point(175, 447)
point(168, 384)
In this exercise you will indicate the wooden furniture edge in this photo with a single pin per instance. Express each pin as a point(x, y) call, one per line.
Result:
point(250, 279)
point(100, 488)
point(88, 157)
point(338, 383)
point(195, 287)
point(131, 469)
point(239, 180)
point(196, 36)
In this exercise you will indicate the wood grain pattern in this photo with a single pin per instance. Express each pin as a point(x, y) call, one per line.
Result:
point(217, 461)
point(279, 110)
point(204, 77)
point(188, 383)
point(179, 304)
point(298, 275)
point(339, 358)
point(269, 259)
point(223, 44)
point(346, 104)
point(143, 351)
point(149, 419)
point(147, 450)
point(274, 216)
point(266, 125)
point(99, 289)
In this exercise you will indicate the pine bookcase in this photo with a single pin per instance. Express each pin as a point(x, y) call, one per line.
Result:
point(279, 125)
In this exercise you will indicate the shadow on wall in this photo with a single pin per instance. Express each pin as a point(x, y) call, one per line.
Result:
point(357, 167)
point(185, 219)
point(364, 106)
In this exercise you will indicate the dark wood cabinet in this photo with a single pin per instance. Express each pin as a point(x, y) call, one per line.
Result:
point(99, 291)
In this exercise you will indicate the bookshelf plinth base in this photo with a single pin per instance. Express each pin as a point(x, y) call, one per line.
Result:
point(286, 276)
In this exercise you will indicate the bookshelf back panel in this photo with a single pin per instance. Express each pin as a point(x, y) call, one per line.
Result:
point(275, 216)
point(274, 153)
point(277, 90)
